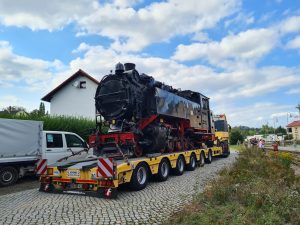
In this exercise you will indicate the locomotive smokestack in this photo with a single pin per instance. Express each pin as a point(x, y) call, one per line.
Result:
point(129, 66)
point(119, 68)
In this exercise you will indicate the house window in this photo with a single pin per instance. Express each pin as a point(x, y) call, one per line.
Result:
point(82, 84)
point(289, 130)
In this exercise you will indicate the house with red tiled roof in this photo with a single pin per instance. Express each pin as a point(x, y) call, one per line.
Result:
point(74, 96)
point(294, 129)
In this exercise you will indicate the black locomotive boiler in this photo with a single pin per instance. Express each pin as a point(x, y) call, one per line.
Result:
point(146, 116)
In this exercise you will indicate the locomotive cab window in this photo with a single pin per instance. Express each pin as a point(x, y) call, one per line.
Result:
point(205, 103)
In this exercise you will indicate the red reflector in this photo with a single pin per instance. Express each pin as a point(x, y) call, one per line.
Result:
point(106, 183)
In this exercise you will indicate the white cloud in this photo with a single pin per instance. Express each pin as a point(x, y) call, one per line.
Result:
point(293, 91)
point(294, 44)
point(245, 47)
point(49, 15)
point(8, 100)
point(126, 3)
point(290, 25)
point(241, 19)
point(255, 115)
point(33, 73)
point(130, 29)
point(134, 29)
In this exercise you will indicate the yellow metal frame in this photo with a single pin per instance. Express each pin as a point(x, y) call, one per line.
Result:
point(125, 169)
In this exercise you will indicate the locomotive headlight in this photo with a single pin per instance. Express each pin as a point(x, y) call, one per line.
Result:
point(113, 122)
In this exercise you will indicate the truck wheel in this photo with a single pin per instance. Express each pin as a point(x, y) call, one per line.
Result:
point(209, 157)
point(192, 165)
point(225, 149)
point(163, 170)
point(202, 159)
point(179, 169)
point(140, 177)
point(8, 176)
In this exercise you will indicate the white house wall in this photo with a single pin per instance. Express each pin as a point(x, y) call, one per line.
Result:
point(73, 101)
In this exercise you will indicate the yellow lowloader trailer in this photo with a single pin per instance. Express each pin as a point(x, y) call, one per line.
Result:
point(102, 176)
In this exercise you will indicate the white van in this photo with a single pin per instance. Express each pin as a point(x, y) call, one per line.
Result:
point(23, 143)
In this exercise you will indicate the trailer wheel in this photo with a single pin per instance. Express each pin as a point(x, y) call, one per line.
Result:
point(192, 165)
point(225, 149)
point(179, 169)
point(202, 159)
point(209, 157)
point(163, 170)
point(8, 176)
point(140, 177)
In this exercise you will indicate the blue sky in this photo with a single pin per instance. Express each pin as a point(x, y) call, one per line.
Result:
point(244, 55)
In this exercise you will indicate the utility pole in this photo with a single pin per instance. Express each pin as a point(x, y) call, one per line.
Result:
point(298, 107)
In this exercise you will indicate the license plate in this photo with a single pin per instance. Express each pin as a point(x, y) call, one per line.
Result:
point(73, 173)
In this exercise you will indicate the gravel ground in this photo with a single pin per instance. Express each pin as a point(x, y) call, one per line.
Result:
point(149, 206)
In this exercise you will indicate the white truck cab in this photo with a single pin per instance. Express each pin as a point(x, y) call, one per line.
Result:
point(23, 143)
point(60, 144)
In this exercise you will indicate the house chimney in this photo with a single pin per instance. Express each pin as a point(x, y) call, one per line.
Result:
point(298, 107)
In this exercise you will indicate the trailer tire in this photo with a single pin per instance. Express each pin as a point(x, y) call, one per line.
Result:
point(202, 159)
point(8, 176)
point(225, 149)
point(193, 162)
point(140, 177)
point(163, 170)
point(180, 164)
point(208, 160)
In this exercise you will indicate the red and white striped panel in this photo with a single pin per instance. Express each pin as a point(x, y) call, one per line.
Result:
point(105, 167)
point(41, 166)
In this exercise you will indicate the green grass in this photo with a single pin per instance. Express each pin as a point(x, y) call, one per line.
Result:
point(237, 147)
point(81, 126)
point(258, 189)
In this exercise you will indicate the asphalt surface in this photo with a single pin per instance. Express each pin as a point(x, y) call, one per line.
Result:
point(152, 205)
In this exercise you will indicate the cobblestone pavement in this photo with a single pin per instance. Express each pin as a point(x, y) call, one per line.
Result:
point(149, 206)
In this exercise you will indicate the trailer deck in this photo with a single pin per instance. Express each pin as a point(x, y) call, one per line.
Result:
point(83, 177)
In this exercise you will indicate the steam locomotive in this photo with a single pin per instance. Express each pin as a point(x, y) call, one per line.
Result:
point(146, 116)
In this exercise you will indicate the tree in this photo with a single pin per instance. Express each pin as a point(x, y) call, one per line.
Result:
point(280, 130)
point(235, 136)
point(13, 109)
point(42, 109)
point(266, 129)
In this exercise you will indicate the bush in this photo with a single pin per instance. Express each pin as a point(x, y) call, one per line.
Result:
point(235, 137)
point(81, 126)
point(258, 189)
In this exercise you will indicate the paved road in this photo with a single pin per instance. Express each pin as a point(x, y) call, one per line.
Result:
point(289, 148)
point(149, 206)
point(25, 183)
